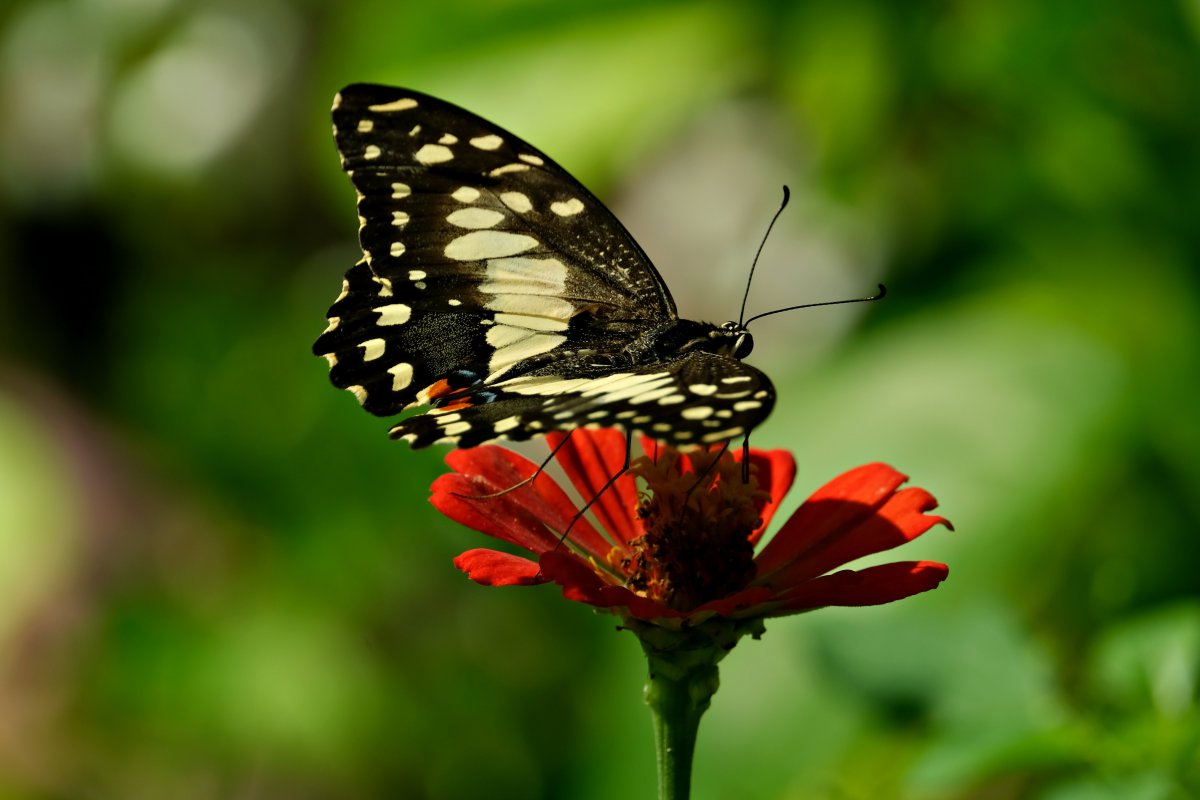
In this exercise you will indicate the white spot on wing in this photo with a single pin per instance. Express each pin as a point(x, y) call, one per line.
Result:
point(498, 171)
point(475, 218)
point(403, 104)
point(366, 125)
point(360, 394)
point(567, 208)
point(433, 154)
point(416, 274)
point(395, 314)
point(466, 194)
point(400, 218)
point(448, 138)
point(400, 191)
point(372, 152)
point(397, 249)
point(702, 389)
point(736, 379)
point(696, 412)
point(746, 405)
point(719, 436)
point(531, 159)
point(517, 201)
point(401, 376)
point(483, 245)
point(489, 142)
point(372, 349)
point(455, 428)
point(454, 302)
point(506, 424)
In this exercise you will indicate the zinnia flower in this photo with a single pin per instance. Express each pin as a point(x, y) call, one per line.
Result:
point(676, 559)
point(682, 550)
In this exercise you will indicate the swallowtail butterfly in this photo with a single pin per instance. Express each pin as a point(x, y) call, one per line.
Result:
point(497, 290)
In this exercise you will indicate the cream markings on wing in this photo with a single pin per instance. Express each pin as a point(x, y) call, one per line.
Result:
point(434, 154)
point(448, 138)
point(372, 152)
point(397, 249)
point(524, 275)
point(400, 191)
point(517, 201)
point(489, 142)
point(696, 412)
point(719, 436)
point(395, 314)
point(646, 397)
point(506, 424)
point(475, 218)
point(345, 290)
point(702, 389)
point(360, 394)
point(453, 302)
point(401, 376)
point(416, 275)
point(671, 400)
point(455, 428)
point(466, 194)
point(484, 245)
point(332, 359)
point(746, 405)
point(567, 208)
point(400, 218)
point(531, 159)
point(385, 285)
point(403, 104)
point(736, 379)
point(366, 125)
point(415, 130)
point(332, 324)
point(372, 349)
point(760, 394)
point(498, 171)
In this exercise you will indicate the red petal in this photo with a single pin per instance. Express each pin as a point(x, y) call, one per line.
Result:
point(591, 458)
point(776, 470)
point(872, 586)
point(531, 516)
point(855, 514)
point(492, 568)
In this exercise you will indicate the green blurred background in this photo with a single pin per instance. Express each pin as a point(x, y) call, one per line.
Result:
point(219, 579)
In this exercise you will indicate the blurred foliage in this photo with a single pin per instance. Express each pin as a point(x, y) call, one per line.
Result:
point(219, 579)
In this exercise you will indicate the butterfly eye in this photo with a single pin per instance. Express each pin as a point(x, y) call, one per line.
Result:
point(743, 346)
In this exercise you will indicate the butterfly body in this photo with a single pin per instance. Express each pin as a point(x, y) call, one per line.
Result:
point(497, 291)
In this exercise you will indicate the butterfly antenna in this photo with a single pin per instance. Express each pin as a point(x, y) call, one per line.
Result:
point(879, 296)
point(786, 196)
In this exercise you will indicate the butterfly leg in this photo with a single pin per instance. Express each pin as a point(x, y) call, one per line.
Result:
point(613, 479)
point(519, 484)
point(746, 459)
point(702, 478)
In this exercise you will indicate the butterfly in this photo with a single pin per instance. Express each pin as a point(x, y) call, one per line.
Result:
point(497, 291)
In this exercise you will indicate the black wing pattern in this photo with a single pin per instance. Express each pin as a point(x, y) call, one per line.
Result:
point(495, 288)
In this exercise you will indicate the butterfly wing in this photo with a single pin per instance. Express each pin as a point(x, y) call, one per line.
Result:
point(699, 398)
point(482, 258)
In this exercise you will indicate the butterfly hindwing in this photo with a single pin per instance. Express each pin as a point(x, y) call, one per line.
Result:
point(697, 399)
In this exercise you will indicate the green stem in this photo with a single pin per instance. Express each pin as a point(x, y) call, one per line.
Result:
point(678, 695)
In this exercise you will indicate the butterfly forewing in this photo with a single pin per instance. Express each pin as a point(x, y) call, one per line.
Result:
point(496, 288)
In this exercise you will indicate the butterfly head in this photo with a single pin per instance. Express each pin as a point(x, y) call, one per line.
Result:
point(737, 341)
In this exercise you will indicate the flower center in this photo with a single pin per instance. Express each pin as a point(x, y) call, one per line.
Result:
point(697, 516)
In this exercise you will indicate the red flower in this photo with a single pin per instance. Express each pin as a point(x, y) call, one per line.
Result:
point(681, 552)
